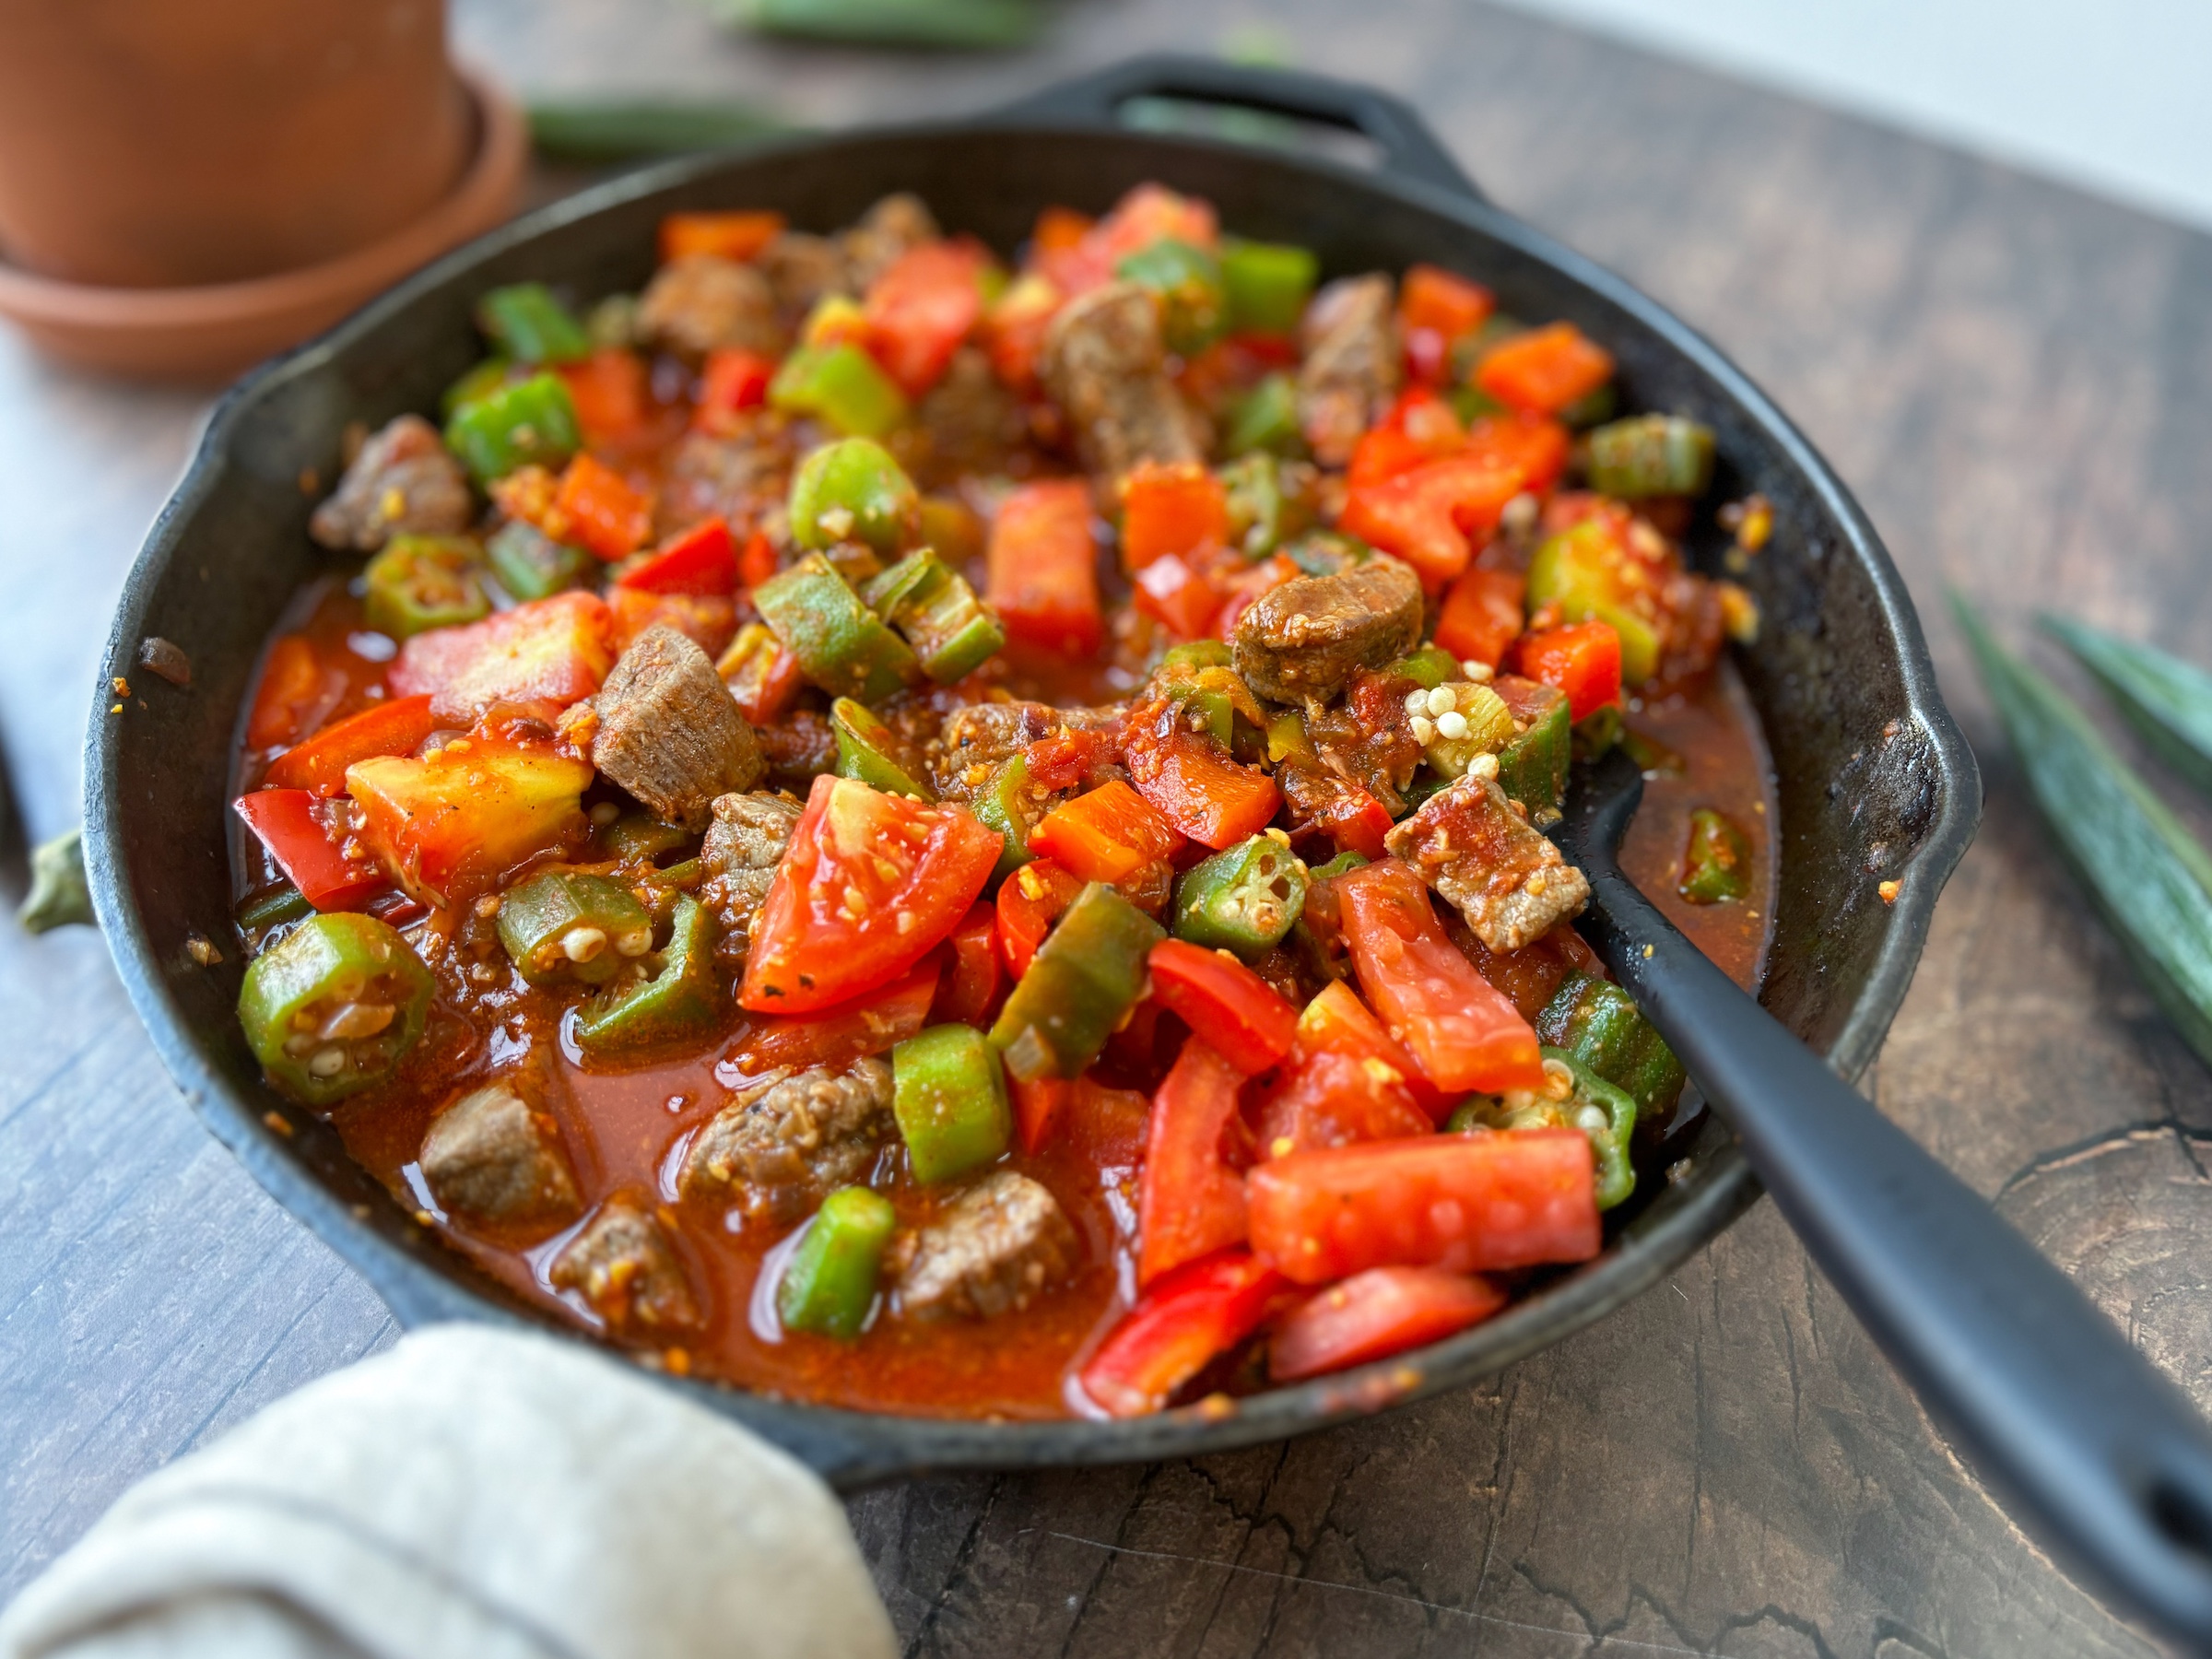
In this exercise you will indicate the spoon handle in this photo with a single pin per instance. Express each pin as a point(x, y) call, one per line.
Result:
point(2045, 1394)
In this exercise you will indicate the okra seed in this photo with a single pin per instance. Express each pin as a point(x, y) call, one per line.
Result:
point(351, 1020)
point(1440, 700)
point(328, 1062)
point(604, 814)
point(1424, 728)
point(837, 521)
point(634, 943)
point(1483, 766)
point(1416, 702)
point(581, 944)
point(1452, 726)
point(299, 1044)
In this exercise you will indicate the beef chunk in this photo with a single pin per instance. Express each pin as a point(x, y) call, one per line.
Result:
point(625, 1266)
point(779, 1150)
point(996, 1249)
point(741, 475)
point(403, 483)
point(670, 733)
point(1304, 641)
point(1104, 363)
point(894, 225)
point(745, 843)
point(971, 419)
point(802, 269)
point(980, 737)
point(799, 748)
point(1472, 846)
point(1350, 371)
point(492, 1156)
point(702, 302)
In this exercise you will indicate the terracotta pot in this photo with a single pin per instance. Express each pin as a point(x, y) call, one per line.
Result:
point(161, 143)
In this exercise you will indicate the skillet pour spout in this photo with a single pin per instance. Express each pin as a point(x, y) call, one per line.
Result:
point(1840, 676)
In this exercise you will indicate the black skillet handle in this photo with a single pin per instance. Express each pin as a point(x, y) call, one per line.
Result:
point(2046, 1395)
point(1409, 149)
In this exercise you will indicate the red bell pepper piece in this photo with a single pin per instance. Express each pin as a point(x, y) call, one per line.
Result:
point(921, 308)
point(740, 235)
point(1038, 1107)
point(285, 820)
point(1191, 1202)
point(1537, 444)
point(1464, 1203)
point(1426, 515)
point(1185, 601)
point(732, 381)
point(1544, 369)
point(1463, 1034)
point(1014, 328)
point(1171, 507)
point(1189, 1318)
point(1374, 1314)
point(758, 561)
point(1043, 577)
point(710, 621)
point(1482, 614)
point(610, 392)
point(1193, 783)
point(296, 694)
point(1244, 1018)
point(396, 726)
point(1107, 835)
point(702, 559)
point(872, 1023)
point(971, 984)
point(551, 651)
point(1030, 902)
point(595, 508)
point(1582, 660)
point(1435, 308)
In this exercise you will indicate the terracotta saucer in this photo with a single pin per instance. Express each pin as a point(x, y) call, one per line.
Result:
point(214, 333)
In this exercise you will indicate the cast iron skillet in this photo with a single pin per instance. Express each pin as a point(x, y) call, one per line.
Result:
point(1875, 781)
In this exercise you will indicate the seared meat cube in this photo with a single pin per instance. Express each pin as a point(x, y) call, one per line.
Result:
point(1104, 363)
point(802, 269)
point(891, 228)
point(403, 483)
point(1476, 848)
point(701, 302)
point(780, 1149)
point(1350, 371)
point(670, 733)
point(799, 748)
point(741, 475)
point(492, 1156)
point(997, 1247)
point(625, 1266)
point(745, 843)
point(971, 419)
point(980, 737)
point(1304, 641)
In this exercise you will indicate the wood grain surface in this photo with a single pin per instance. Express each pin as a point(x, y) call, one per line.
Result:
point(2017, 380)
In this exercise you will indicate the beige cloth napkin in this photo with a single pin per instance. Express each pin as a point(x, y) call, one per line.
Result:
point(470, 1494)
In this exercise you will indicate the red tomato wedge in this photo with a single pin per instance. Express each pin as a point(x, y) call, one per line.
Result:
point(1331, 1099)
point(1374, 1314)
point(921, 309)
point(1337, 1022)
point(1191, 1202)
point(1106, 835)
point(318, 765)
point(703, 560)
point(1030, 902)
point(1171, 508)
point(554, 651)
point(453, 824)
point(1482, 614)
point(971, 986)
point(1464, 1033)
point(286, 822)
point(1184, 601)
point(872, 1023)
point(1244, 1018)
point(1466, 1203)
point(1043, 567)
point(296, 693)
point(870, 883)
point(1190, 1317)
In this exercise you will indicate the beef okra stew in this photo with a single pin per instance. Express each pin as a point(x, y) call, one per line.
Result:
point(945, 837)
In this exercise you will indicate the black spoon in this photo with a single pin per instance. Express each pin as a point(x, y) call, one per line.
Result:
point(2047, 1396)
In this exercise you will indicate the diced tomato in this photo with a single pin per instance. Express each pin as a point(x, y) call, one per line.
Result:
point(922, 307)
point(1356, 822)
point(1191, 1317)
point(1465, 1203)
point(1537, 444)
point(1064, 761)
point(1015, 327)
point(1192, 1201)
point(1337, 1022)
point(1544, 369)
point(300, 843)
point(453, 824)
point(1533, 975)
point(1331, 1099)
point(597, 509)
point(870, 883)
point(732, 381)
point(1244, 1020)
point(1582, 660)
point(1184, 600)
point(610, 392)
point(1482, 614)
point(1030, 902)
point(1426, 515)
point(1106, 835)
point(872, 1023)
point(1038, 1107)
point(1060, 230)
point(1043, 567)
point(297, 692)
point(740, 235)
point(1374, 1314)
point(1171, 508)
point(1151, 213)
point(702, 559)
point(551, 650)
point(709, 620)
point(1462, 1034)
point(318, 765)
point(971, 984)
point(1435, 308)
point(757, 562)
point(1193, 783)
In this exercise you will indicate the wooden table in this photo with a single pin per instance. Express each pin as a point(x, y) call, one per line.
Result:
point(2017, 381)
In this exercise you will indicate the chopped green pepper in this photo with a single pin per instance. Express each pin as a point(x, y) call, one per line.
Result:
point(487, 377)
point(950, 1100)
point(639, 835)
point(1267, 283)
point(1574, 1097)
point(532, 565)
point(1194, 306)
point(1596, 1023)
point(1265, 418)
point(842, 386)
point(952, 632)
point(828, 1284)
point(854, 490)
point(1716, 866)
point(562, 928)
point(680, 1000)
point(869, 750)
point(1089, 972)
point(1325, 552)
point(1472, 404)
point(530, 423)
point(1182, 665)
point(1652, 454)
point(334, 1007)
point(1012, 804)
point(419, 583)
point(1288, 738)
point(1262, 515)
point(1532, 768)
point(1429, 668)
point(1581, 572)
point(531, 326)
point(841, 644)
point(1245, 899)
point(1343, 863)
